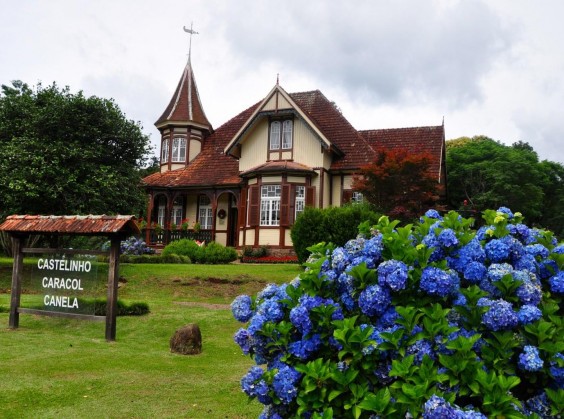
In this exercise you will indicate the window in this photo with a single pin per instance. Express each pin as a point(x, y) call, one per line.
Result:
point(275, 135)
point(300, 200)
point(270, 205)
point(176, 215)
point(357, 198)
point(179, 149)
point(281, 133)
point(164, 151)
point(287, 135)
point(161, 215)
point(205, 213)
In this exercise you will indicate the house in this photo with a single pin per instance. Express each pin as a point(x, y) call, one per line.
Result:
point(246, 182)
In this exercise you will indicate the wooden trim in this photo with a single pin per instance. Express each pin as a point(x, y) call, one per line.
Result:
point(16, 289)
point(254, 205)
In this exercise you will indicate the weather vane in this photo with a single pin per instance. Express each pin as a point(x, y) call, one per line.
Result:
point(191, 32)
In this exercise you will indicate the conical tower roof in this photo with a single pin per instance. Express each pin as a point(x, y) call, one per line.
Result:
point(185, 107)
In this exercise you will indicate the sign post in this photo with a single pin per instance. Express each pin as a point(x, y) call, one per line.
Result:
point(21, 226)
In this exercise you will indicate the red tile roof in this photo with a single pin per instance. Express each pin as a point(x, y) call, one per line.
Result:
point(336, 128)
point(185, 104)
point(71, 224)
point(416, 140)
point(354, 149)
point(211, 167)
point(282, 166)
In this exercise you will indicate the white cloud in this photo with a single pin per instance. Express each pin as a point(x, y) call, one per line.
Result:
point(491, 68)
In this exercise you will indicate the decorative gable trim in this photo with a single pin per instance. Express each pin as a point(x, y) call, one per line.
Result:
point(261, 111)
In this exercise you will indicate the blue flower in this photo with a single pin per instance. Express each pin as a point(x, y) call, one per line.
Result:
point(421, 348)
point(244, 339)
point(435, 281)
point(500, 316)
point(507, 211)
point(393, 274)
point(272, 310)
point(305, 348)
point(299, 317)
point(538, 404)
point(556, 370)
point(497, 250)
point(254, 386)
point(475, 272)
point(430, 240)
point(557, 283)
point(528, 314)
point(241, 308)
point(530, 291)
point(433, 214)
point(374, 300)
point(537, 250)
point(529, 359)
point(284, 383)
point(447, 238)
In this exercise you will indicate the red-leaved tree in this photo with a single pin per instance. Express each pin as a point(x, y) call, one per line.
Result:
point(399, 183)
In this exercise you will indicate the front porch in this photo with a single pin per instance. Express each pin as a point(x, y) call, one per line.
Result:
point(158, 238)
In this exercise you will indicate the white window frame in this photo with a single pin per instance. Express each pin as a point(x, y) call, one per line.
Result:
point(176, 215)
point(270, 205)
point(275, 129)
point(357, 197)
point(287, 128)
point(281, 134)
point(164, 151)
point(205, 214)
point(300, 201)
point(179, 150)
point(161, 214)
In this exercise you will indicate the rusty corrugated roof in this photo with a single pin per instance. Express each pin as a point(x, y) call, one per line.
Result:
point(71, 224)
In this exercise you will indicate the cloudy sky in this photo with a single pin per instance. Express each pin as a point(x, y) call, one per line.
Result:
point(490, 68)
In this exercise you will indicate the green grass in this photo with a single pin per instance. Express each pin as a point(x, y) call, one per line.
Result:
point(63, 368)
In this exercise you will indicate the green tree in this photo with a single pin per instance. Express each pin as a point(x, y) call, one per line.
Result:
point(399, 183)
point(488, 174)
point(552, 215)
point(64, 153)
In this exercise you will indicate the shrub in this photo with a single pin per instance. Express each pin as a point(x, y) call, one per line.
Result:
point(335, 225)
point(210, 253)
point(131, 246)
point(214, 253)
point(184, 247)
point(428, 320)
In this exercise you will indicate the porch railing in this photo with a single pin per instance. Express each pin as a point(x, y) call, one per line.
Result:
point(164, 237)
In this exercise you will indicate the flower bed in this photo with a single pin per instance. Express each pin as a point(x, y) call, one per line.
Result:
point(434, 320)
point(269, 259)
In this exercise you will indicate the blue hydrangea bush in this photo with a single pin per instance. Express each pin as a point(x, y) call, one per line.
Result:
point(432, 320)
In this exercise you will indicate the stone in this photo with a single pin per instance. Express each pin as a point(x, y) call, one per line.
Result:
point(187, 340)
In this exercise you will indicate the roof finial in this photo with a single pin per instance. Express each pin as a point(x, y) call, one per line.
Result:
point(277, 79)
point(191, 32)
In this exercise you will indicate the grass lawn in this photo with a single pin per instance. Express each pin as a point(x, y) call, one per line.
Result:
point(63, 368)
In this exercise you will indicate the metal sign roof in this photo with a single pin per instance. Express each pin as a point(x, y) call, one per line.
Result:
point(71, 224)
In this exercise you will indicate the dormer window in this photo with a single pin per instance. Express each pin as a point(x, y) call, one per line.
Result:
point(178, 150)
point(281, 134)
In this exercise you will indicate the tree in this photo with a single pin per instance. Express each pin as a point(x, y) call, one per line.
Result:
point(64, 153)
point(399, 183)
point(488, 174)
point(552, 215)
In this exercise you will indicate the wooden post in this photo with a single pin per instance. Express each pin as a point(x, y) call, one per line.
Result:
point(111, 304)
point(16, 289)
